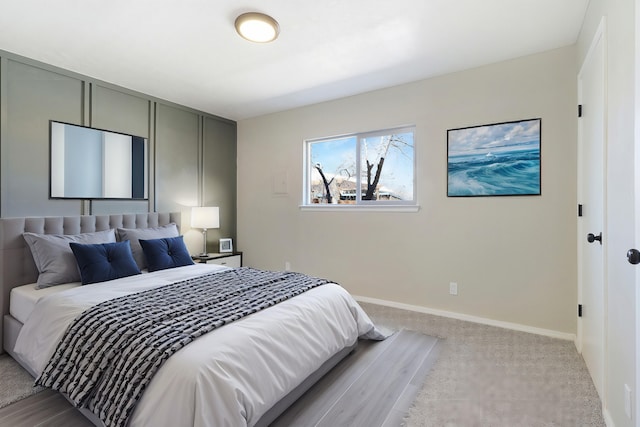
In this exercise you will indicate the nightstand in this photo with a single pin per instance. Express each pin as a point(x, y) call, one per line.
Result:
point(231, 259)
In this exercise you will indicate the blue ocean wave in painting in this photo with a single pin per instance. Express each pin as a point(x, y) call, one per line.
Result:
point(492, 174)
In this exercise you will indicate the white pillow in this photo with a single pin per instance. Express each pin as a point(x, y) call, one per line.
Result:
point(135, 234)
point(53, 257)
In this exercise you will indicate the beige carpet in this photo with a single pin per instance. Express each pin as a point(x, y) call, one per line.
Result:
point(488, 376)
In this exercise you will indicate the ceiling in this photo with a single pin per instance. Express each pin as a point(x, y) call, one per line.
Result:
point(188, 52)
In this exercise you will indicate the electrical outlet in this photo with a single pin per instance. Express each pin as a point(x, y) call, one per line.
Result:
point(287, 266)
point(627, 400)
point(453, 288)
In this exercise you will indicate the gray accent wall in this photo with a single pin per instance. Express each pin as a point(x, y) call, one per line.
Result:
point(177, 161)
point(181, 142)
point(219, 170)
point(31, 96)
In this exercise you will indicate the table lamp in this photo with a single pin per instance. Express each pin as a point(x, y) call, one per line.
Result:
point(205, 217)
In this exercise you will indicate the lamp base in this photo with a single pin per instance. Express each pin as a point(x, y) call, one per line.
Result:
point(204, 253)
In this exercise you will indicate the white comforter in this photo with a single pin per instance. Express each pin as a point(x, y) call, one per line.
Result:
point(230, 376)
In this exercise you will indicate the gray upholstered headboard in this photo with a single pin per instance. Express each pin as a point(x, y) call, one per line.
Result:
point(16, 263)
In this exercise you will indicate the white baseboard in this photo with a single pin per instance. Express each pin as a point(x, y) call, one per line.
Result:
point(607, 418)
point(469, 318)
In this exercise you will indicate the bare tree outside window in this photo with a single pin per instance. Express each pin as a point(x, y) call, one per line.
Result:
point(327, 183)
point(362, 169)
point(381, 146)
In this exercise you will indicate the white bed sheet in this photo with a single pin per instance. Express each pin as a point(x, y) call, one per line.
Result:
point(230, 376)
point(23, 299)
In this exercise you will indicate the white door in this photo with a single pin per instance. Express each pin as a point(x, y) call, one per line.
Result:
point(636, 411)
point(591, 195)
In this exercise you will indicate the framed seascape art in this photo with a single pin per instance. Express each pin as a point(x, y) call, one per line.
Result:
point(501, 159)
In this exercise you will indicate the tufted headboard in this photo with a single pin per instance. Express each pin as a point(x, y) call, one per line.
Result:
point(16, 263)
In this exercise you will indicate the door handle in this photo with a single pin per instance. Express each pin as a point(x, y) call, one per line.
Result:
point(633, 256)
point(592, 238)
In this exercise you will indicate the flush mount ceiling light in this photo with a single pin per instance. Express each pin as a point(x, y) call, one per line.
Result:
point(257, 27)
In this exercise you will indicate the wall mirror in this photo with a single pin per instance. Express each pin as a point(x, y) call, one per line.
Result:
point(89, 163)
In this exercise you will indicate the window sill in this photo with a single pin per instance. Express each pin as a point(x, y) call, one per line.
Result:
point(360, 208)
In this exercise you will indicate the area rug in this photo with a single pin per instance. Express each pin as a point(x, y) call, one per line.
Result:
point(16, 383)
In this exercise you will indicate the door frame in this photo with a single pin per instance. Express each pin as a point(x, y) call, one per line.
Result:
point(636, 193)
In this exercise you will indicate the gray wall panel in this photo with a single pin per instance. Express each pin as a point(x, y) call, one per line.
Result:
point(219, 172)
point(121, 112)
point(177, 160)
point(33, 97)
point(118, 111)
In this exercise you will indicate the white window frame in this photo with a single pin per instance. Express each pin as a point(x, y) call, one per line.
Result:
point(386, 205)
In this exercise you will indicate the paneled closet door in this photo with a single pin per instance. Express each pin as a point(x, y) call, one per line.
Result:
point(592, 237)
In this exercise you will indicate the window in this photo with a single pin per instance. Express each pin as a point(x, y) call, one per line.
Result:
point(374, 168)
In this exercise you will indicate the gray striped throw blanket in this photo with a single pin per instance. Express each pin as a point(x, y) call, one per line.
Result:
point(110, 352)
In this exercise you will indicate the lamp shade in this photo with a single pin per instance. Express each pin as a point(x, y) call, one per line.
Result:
point(205, 217)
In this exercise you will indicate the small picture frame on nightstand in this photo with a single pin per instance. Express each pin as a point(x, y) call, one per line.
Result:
point(226, 245)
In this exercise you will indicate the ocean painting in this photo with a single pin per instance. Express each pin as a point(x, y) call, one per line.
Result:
point(500, 159)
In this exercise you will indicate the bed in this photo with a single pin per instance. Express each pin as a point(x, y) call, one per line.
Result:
point(244, 373)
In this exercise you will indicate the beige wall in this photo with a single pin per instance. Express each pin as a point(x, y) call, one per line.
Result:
point(514, 258)
point(620, 299)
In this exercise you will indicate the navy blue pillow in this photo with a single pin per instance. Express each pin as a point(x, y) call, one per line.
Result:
point(168, 252)
point(104, 261)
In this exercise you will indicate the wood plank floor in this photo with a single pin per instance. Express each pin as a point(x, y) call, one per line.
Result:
point(374, 386)
point(47, 408)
